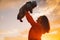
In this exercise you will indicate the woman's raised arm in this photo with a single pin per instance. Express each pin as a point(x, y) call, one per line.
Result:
point(29, 18)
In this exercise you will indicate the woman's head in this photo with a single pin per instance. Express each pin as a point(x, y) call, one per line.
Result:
point(43, 20)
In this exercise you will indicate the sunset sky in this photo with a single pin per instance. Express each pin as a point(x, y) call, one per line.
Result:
point(12, 29)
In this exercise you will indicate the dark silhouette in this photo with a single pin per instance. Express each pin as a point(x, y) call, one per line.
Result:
point(38, 28)
point(26, 7)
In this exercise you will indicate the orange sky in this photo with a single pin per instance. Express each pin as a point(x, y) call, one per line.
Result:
point(12, 29)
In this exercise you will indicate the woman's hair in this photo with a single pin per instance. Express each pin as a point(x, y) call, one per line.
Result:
point(43, 20)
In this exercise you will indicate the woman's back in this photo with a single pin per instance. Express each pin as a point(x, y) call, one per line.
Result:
point(35, 32)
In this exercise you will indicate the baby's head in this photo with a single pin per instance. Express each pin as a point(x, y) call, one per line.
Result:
point(43, 20)
point(31, 5)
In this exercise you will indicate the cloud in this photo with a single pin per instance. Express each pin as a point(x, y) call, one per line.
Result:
point(14, 34)
point(40, 2)
point(10, 33)
point(54, 32)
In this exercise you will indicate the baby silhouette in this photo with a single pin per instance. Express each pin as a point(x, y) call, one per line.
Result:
point(29, 6)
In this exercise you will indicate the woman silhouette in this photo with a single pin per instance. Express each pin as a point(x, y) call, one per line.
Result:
point(38, 28)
